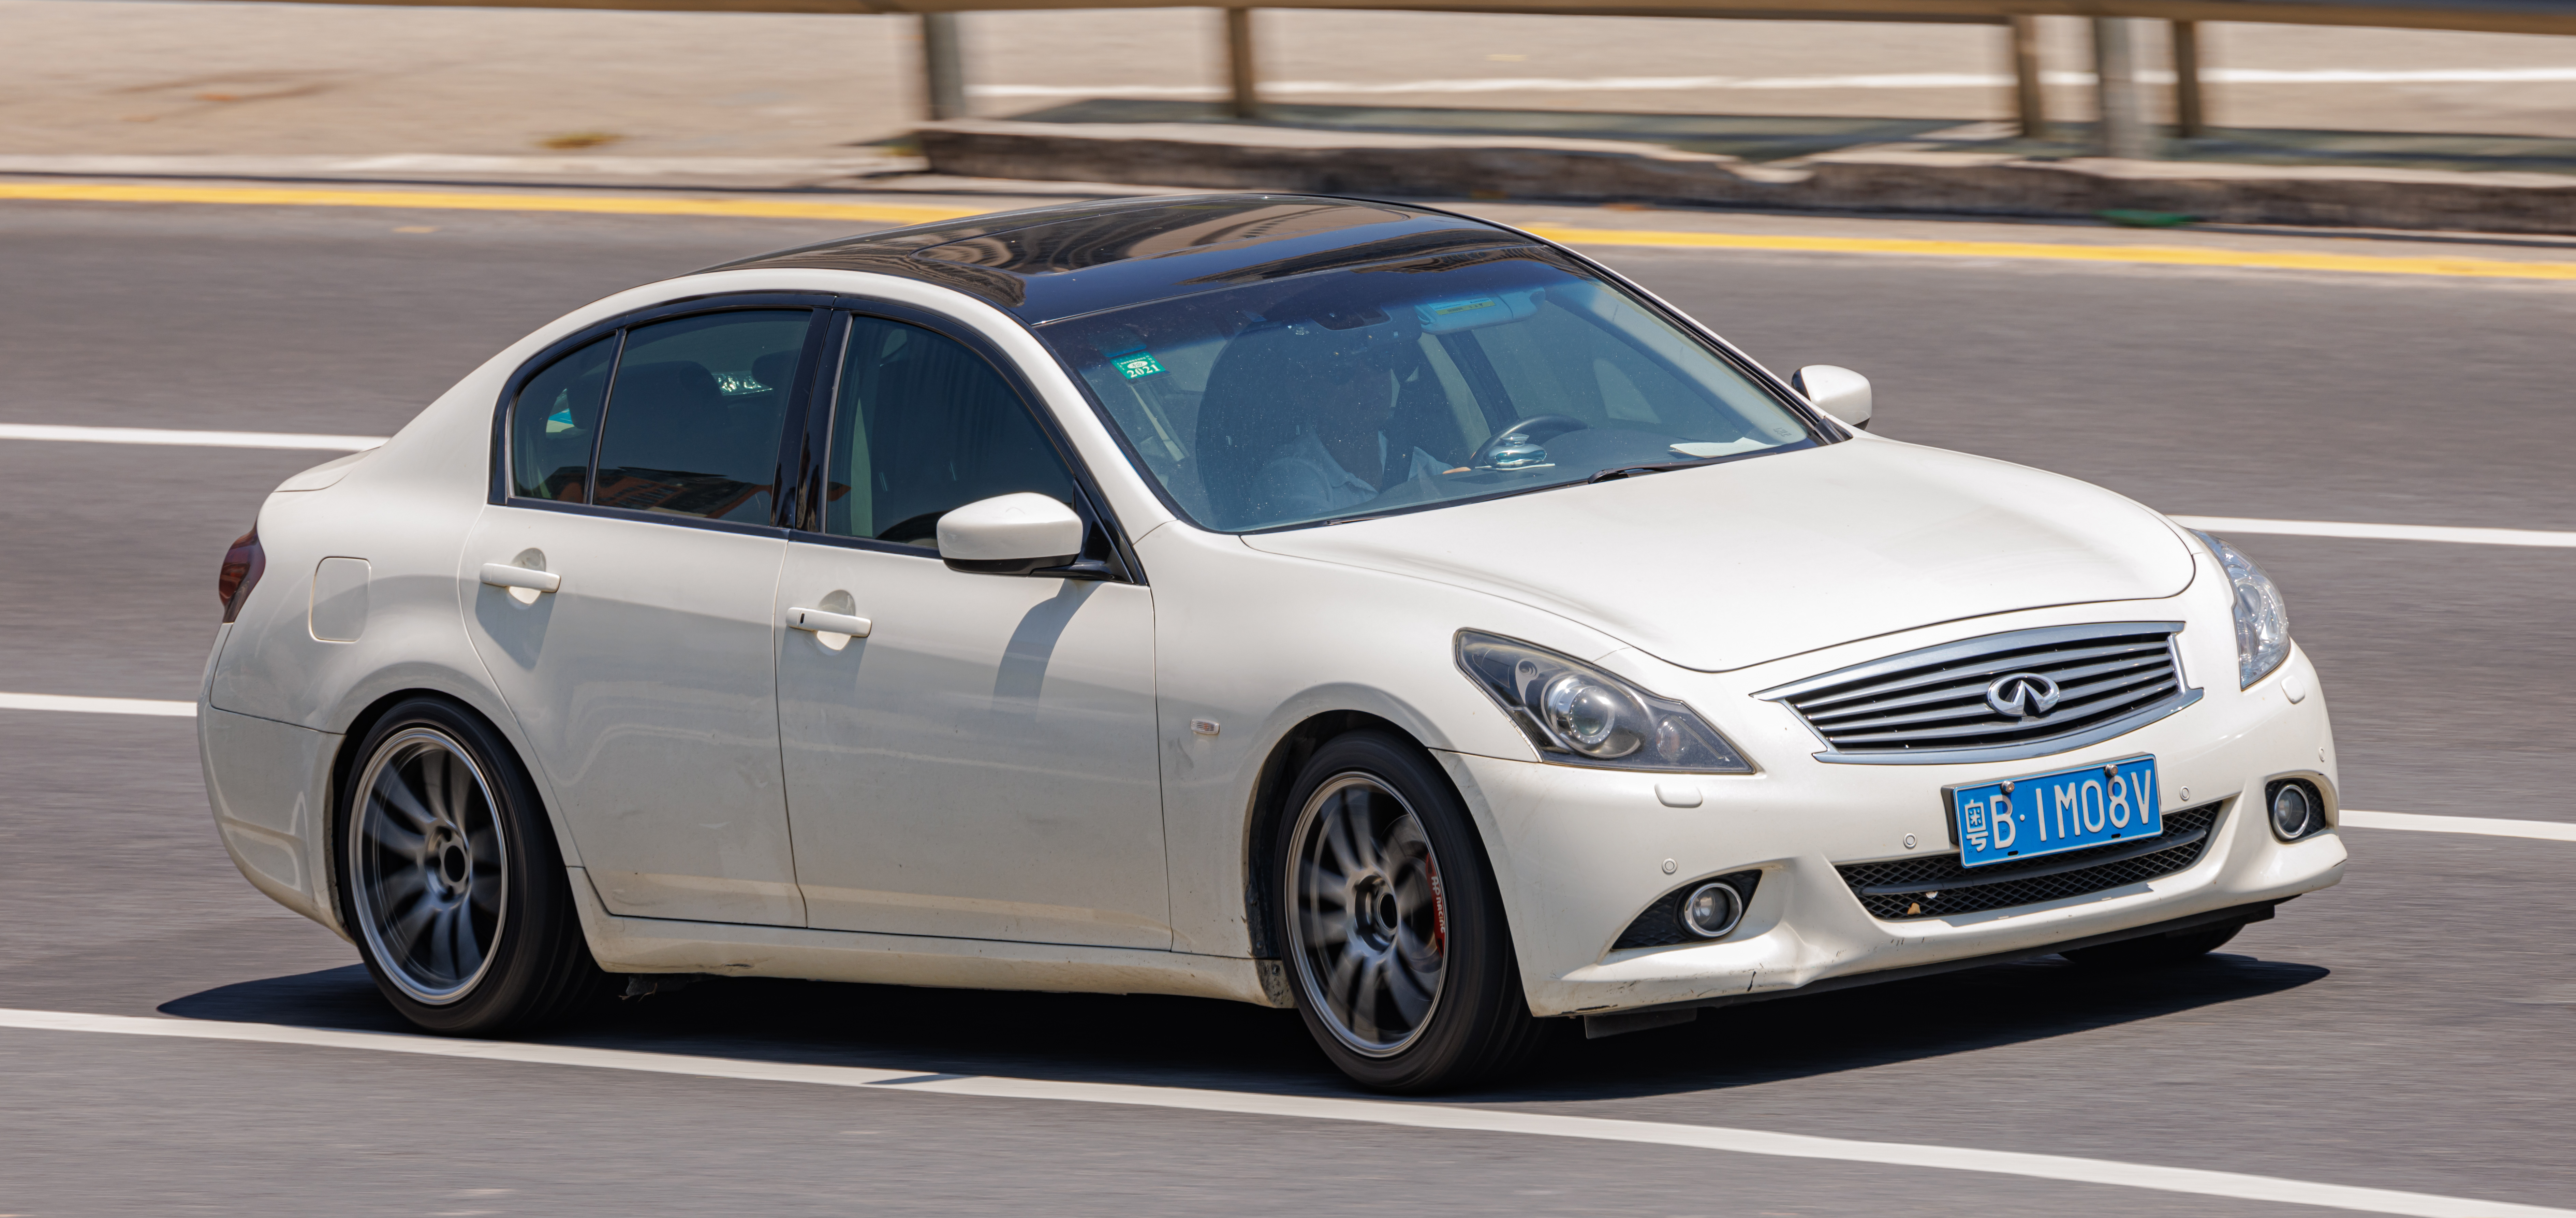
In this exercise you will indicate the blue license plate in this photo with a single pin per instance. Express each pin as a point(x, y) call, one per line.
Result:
point(2027, 818)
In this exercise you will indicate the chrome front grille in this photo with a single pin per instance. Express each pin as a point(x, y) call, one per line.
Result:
point(1931, 705)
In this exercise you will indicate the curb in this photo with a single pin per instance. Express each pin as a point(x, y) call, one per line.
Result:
point(1535, 169)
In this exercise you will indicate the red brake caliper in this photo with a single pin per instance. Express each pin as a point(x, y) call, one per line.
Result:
point(1439, 907)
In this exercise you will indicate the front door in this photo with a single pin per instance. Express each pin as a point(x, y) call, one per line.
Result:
point(982, 763)
point(645, 680)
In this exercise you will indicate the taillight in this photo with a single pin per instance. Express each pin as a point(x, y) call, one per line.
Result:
point(243, 565)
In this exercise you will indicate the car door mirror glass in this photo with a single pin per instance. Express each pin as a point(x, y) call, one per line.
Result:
point(1014, 534)
point(1839, 392)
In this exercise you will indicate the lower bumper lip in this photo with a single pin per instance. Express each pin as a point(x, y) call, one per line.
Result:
point(2257, 911)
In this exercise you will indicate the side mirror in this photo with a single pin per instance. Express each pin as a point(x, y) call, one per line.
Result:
point(1010, 535)
point(1839, 392)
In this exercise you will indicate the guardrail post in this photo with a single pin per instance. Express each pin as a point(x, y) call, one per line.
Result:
point(2030, 105)
point(2123, 120)
point(1241, 69)
point(2190, 121)
point(943, 66)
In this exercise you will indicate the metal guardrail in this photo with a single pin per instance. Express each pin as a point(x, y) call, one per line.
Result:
point(2122, 130)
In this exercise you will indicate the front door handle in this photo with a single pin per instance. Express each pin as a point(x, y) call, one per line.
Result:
point(503, 575)
point(828, 623)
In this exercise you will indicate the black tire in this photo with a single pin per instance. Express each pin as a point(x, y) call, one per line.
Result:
point(450, 880)
point(2156, 951)
point(1439, 904)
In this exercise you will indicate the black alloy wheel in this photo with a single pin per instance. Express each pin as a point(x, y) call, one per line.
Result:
point(450, 880)
point(1400, 957)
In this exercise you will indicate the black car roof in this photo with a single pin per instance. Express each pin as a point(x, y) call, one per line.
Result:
point(1048, 263)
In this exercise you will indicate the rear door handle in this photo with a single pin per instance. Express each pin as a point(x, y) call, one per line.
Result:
point(503, 575)
point(828, 623)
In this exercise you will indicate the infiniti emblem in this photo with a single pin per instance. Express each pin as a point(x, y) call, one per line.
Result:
point(2023, 695)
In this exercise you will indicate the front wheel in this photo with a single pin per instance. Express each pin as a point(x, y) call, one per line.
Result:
point(450, 881)
point(1402, 959)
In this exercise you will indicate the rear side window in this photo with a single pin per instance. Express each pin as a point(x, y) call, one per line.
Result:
point(694, 415)
point(553, 423)
point(923, 425)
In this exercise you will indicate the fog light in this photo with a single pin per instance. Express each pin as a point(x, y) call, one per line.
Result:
point(2294, 810)
point(1712, 910)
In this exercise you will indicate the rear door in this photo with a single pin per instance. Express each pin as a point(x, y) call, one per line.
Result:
point(642, 476)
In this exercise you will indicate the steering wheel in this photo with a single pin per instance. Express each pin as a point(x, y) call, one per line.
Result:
point(1535, 429)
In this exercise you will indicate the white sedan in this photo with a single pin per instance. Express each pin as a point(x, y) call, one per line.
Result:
point(1308, 602)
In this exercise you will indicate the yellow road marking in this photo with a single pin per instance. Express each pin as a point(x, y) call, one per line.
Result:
point(281, 196)
point(898, 213)
point(2159, 255)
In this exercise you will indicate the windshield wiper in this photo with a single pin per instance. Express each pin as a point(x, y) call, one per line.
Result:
point(1653, 468)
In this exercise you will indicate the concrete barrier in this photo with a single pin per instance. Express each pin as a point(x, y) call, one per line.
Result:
point(2122, 130)
point(1571, 170)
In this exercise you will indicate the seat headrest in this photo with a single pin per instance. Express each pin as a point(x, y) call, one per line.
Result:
point(663, 416)
point(674, 386)
point(775, 370)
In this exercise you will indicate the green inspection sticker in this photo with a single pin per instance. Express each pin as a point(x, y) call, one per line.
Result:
point(1135, 364)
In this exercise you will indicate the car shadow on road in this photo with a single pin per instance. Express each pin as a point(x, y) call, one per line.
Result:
point(1186, 1042)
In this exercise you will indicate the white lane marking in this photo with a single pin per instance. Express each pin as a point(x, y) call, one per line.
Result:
point(2380, 532)
point(2482, 826)
point(97, 706)
point(1325, 1108)
point(201, 439)
point(1889, 80)
point(2369, 76)
point(2215, 524)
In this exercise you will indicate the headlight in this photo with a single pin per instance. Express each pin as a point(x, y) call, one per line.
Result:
point(2262, 621)
point(1579, 715)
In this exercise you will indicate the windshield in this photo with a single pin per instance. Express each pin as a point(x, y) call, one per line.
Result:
point(1357, 392)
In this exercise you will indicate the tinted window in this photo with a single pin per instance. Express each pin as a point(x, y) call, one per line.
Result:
point(1348, 393)
point(922, 425)
point(694, 415)
point(553, 423)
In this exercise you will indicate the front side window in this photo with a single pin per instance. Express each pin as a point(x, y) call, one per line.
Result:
point(553, 423)
point(1354, 392)
point(921, 425)
point(695, 413)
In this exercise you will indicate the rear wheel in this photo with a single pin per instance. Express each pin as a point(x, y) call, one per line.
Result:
point(450, 880)
point(1402, 960)
point(2156, 951)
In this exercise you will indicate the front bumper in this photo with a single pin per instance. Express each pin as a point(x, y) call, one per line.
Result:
point(1581, 853)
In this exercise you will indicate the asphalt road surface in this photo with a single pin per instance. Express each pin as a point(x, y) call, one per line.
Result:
point(2409, 1029)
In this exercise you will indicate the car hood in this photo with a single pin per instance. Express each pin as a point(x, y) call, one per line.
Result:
point(1753, 560)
